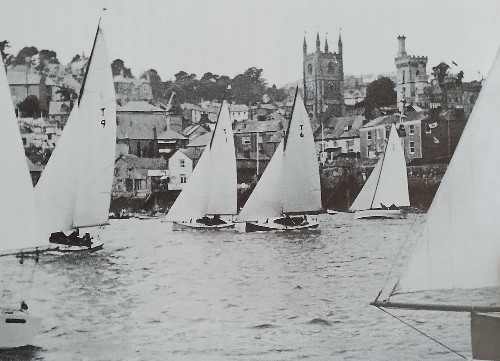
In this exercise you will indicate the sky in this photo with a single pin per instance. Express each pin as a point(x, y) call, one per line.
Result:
point(226, 37)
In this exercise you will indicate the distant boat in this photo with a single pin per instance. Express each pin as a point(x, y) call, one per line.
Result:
point(210, 191)
point(290, 186)
point(74, 190)
point(386, 190)
point(20, 222)
point(458, 247)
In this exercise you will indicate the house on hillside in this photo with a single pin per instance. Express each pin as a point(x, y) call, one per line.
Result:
point(265, 133)
point(138, 124)
point(180, 167)
point(169, 141)
point(131, 89)
point(374, 135)
point(59, 112)
point(136, 177)
point(22, 84)
point(339, 135)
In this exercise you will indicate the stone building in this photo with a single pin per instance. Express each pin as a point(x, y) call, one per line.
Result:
point(323, 77)
point(411, 75)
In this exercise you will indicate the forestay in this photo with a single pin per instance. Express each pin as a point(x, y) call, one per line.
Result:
point(20, 223)
point(460, 243)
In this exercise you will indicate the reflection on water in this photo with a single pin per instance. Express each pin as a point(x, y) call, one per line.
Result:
point(153, 294)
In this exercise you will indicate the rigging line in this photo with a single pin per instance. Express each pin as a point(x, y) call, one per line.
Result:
point(423, 333)
point(398, 255)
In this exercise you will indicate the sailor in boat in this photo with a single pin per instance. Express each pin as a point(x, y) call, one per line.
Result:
point(24, 306)
point(216, 220)
point(73, 239)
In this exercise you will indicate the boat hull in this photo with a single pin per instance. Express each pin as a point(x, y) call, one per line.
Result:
point(333, 211)
point(63, 249)
point(180, 226)
point(18, 329)
point(485, 328)
point(270, 225)
point(380, 213)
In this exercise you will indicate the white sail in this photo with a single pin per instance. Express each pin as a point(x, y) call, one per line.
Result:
point(97, 108)
point(393, 181)
point(364, 200)
point(388, 183)
point(222, 195)
point(266, 199)
point(192, 202)
point(55, 192)
point(301, 183)
point(460, 243)
point(20, 223)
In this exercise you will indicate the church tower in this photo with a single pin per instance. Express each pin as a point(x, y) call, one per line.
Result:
point(411, 75)
point(323, 73)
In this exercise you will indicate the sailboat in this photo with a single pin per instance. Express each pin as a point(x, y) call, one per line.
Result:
point(211, 188)
point(387, 186)
point(457, 252)
point(74, 190)
point(290, 185)
point(20, 223)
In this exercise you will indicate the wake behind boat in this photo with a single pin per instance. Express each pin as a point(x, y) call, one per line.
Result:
point(386, 189)
point(74, 190)
point(290, 184)
point(210, 195)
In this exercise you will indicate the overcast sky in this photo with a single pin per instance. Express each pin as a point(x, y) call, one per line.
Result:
point(229, 36)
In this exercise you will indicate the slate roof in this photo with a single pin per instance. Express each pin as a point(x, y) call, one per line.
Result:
point(170, 134)
point(393, 118)
point(139, 106)
point(201, 140)
point(253, 126)
point(143, 163)
point(340, 127)
point(191, 153)
point(21, 78)
point(137, 125)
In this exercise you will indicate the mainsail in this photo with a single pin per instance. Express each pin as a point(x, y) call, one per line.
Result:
point(290, 183)
point(459, 246)
point(388, 183)
point(211, 188)
point(20, 223)
point(75, 189)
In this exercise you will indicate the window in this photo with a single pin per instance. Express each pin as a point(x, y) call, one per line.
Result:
point(137, 184)
point(335, 144)
point(49, 136)
point(245, 139)
point(331, 68)
point(411, 130)
point(310, 69)
point(412, 147)
point(182, 163)
point(183, 178)
point(128, 184)
point(369, 135)
point(379, 133)
point(387, 132)
point(24, 141)
point(350, 145)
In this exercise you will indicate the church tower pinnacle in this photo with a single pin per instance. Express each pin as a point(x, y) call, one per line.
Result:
point(318, 43)
point(326, 43)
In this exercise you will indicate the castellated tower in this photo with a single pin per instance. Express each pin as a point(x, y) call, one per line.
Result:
point(411, 75)
point(323, 73)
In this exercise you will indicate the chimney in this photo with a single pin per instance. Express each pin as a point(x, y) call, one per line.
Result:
point(402, 50)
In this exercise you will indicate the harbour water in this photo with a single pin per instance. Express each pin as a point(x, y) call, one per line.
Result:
point(153, 294)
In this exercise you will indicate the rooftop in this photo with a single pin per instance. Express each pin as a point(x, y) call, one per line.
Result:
point(143, 163)
point(139, 106)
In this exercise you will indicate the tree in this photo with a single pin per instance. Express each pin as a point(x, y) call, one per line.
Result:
point(66, 93)
point(248, 87)
point(29, 107)
point(380, 93)
point(155, 82)
point(25, 54)
point(7, 58)
point(118, 66)
point(440, 73)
